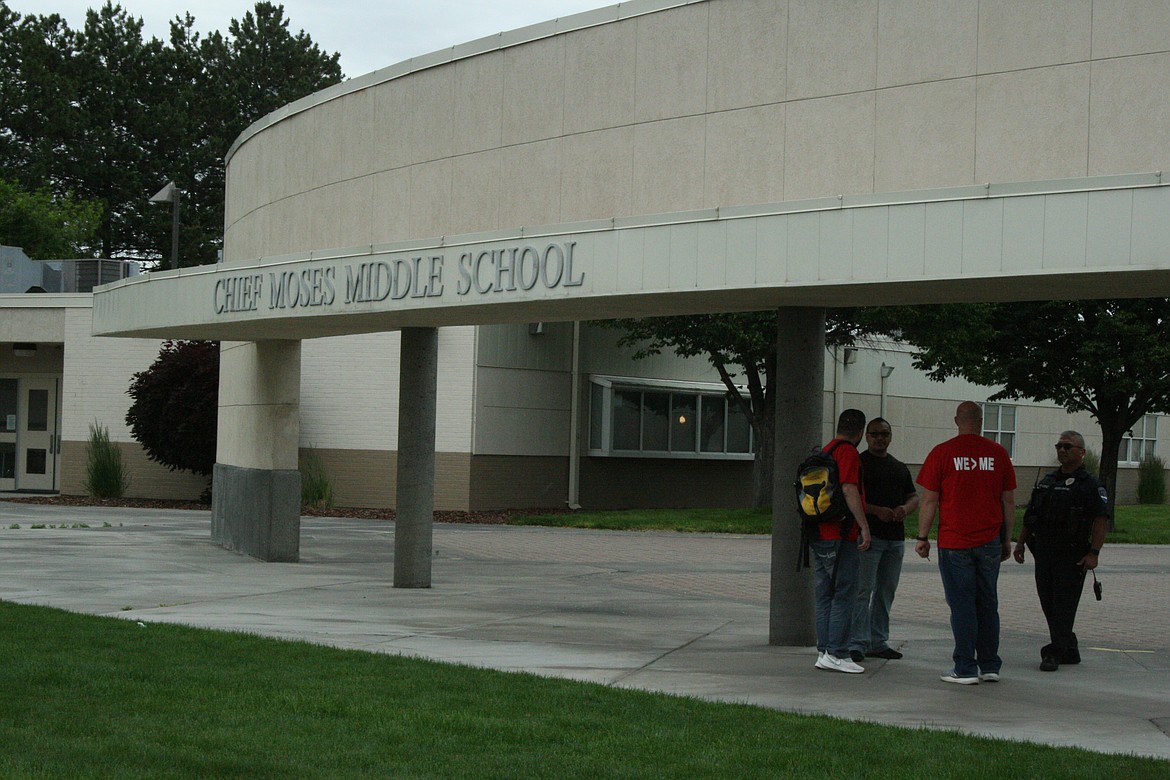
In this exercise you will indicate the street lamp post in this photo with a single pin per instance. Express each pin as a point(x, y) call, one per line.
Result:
point(171, 194)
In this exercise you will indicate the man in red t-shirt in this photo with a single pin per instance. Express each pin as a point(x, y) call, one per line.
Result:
point(837, 558)
point(969, 480)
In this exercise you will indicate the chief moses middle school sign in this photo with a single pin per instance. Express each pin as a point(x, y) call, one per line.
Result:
point(345, 283)
point(926, 247)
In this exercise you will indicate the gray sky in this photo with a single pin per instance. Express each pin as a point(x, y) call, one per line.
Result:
point(369, 34)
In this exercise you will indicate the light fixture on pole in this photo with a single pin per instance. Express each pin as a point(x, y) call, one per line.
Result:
point(886, 371)
point(171, 194)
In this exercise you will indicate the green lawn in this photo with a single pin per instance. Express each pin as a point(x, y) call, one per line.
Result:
point(103, 697)
point(725, 521)
point(1142, 524)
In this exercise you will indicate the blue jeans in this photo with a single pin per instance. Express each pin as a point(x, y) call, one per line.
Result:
point(969, 578)
point(878, 573)
point(835, 612)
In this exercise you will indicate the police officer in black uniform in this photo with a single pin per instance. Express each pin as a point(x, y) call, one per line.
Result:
point(1064, 527)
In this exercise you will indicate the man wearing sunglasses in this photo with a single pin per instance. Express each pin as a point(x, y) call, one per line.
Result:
point(1064, 527)
point(889, 497)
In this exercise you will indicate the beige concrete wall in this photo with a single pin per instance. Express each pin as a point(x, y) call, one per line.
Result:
point(97, 374)
point(710, 104)
point(259, 404)
point(31, 325)
point(349, 391)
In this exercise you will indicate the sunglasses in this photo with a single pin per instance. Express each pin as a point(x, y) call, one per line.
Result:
point(1067, 446)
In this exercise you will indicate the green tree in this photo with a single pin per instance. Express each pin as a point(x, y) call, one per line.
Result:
point(37, 85)
point(174, 406)
point(103, 115)
point(43, 226)
point(226, 84)
point(1106, 357)
point(748, 341)
point(119, 75)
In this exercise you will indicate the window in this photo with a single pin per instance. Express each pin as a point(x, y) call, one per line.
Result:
point(1140, 440)
point(38, 410)
point(999, 425)
point(8, 398)
point(636, 417)
point(7, 460)
point(35, 461)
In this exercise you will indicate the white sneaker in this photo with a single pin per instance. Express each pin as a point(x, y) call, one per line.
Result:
point(821, 664)
point(831, 663)
point(951, 677)
point(989, 676)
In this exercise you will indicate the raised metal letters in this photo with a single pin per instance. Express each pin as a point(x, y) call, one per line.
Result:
point(498, 270)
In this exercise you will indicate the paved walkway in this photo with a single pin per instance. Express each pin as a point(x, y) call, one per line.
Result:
point(679, 613)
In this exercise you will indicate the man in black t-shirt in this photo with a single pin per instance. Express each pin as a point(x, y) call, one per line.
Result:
point(889, 497)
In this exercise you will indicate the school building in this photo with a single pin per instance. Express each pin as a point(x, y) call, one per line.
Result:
point(413, 258)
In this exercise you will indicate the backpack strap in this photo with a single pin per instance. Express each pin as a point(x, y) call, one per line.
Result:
point(847, 518)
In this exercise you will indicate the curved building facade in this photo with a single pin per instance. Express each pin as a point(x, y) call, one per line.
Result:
point(654, 107)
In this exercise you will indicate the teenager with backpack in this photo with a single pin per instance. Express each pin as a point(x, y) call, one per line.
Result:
point(836, 549)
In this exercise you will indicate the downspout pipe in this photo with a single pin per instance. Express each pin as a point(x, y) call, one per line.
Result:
point(573, 499)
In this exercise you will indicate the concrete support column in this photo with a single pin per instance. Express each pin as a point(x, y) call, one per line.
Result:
point(415, 505)
point(256, 488)
point(799, 389)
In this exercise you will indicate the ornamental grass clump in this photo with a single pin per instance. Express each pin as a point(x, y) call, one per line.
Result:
point(316, 489)
point(1152, 480)
point(105, 473)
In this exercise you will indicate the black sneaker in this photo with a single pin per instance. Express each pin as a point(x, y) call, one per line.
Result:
point(857, 656)
point(1049, 664)
point(888, 653)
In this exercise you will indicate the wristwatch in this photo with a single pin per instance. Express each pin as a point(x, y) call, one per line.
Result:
point(922, 538)
point(1096, 551)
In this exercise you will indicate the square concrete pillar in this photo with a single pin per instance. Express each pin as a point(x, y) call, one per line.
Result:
point(256, 488)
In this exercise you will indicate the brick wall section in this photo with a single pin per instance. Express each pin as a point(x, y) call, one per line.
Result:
point(621, 483)
point(147, 478)
point(349, 392)
point(369, 478)
point(518, 482)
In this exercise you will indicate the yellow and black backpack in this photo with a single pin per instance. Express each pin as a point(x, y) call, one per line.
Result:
point(819, 497)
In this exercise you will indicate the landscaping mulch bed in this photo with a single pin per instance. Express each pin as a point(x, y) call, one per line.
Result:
point(495, 517)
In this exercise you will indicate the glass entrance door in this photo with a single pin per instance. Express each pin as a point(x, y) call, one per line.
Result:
point(36, 434)
point(9, 396)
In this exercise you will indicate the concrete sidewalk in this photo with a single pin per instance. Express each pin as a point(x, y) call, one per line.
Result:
point(678, 613)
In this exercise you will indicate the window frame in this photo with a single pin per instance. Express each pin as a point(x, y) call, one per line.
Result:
point(604, 388)
point(1148, 428)
point(997, 431)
